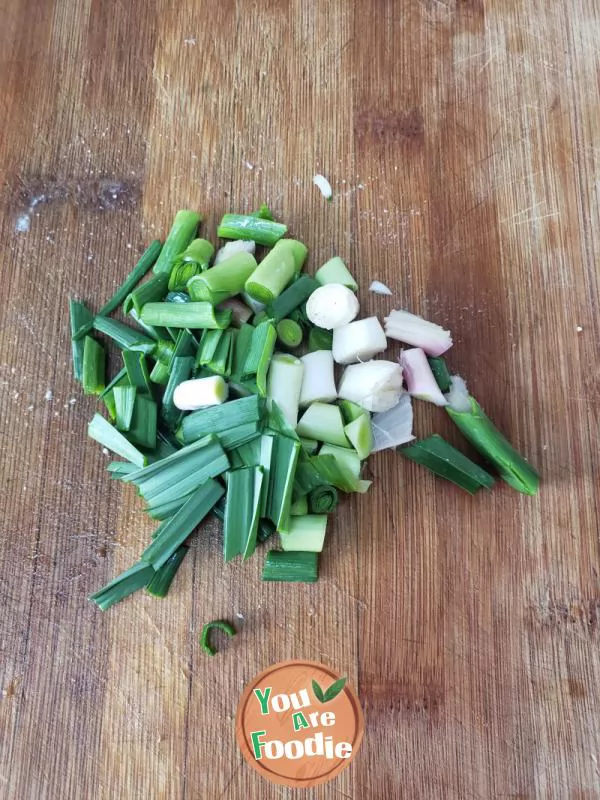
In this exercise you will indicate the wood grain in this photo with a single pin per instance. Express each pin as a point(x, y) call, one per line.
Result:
point(462, 138)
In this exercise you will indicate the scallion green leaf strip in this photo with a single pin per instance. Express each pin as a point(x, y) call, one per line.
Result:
point(220, 625)
point(146, 262)
point(124, 336)
point(242, 512)
point(148, 292)
point(284, 459)
point(137, 370)
point(105, 434)
point(185, 315)
point(163, 578)
point(124, 401)
point(128, 582)
point(181, 369)
point(142, 429)
point(259, 355)
point(218, 419)
point(82, 321)
point(173, 532)
point(448, 462)
point(250, 228)
point(292, 297)
point(183, 230)
point(495, 447)
point(440, 372)
point(292, 567)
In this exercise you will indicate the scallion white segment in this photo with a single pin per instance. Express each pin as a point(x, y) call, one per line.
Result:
point(419, 378)
point(374, 385)
point(284, 383)
point(306, 534)
point(394, 427)
point(358, 341)
point(360, 434)
point(200, 393)
point(323, 185)
point(232, 248)
point(419, 332)
point(318, 382)
point(323, 423)
point(332, 306)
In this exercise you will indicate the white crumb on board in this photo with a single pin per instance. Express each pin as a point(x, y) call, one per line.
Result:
point(248, 165)
point(323, 185)
point(579, 329)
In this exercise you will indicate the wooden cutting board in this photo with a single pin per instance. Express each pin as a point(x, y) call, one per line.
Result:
point(462, 140)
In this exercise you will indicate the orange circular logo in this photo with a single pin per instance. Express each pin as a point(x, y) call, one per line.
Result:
point(299, 723)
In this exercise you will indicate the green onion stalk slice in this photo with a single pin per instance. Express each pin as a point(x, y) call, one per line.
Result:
point(276, 270)
point(250, 228)
point(289, 334)
point(185, 315)
point(284, 459)
point(324, 423)
point(151, 291)
point(323, 499)
point(259, 355)
point(347, 459)
point(306, 534)
point(158, 334)
point(447, 462)
point(351, 411)
point(128, 582)
point(193, 261)
point(335, 271)
point(160, 374)
point(494, 446)
point(220, 625)
point(103, 432)
point(440, 372)
point(181, 369)
point(284, 382)
point(124, 401)
point(94, 365)
point(360, 435)
point(81, 319)
point(182, 233)
point(137, 370)
point(319, 339)
point(242, 512)
point(218, 419)
point(143, 426)
point(123, 336)
point(163, 578)
point(293, 567)
point(172, 533)
point(299, 507)
point(107, 395)
point(223, 281)
point(264, 212)
point(292, 297)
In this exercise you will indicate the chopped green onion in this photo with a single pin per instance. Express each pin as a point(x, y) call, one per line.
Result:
point(103, 432)
point(142, 428)
point(223, 281)
point(360, 435)
point(118, 469)
point(124, 401)
point(220, 625)
point(218, 419)
point(239, 435)
point(259, 355)
point(149, 292)
point(191, 262)
point(181, 369)
point(242, 512)
point(351, 411)
point(294, 567)
point(264, 212)
point(265, 460)
point(306, 534)
point(289, 333)
point(163, 577)
point(346, 459)
point(146, 262)
point(448, 462)
point(266, 529)
point(241, 348)
point(185, 315)
point(208, 347)
point(323, 499)
point(181, 234)
point(221, 362)
point(486, 438)
point(172, 533)
point(160, 374)
point(318, 470)
point(276, 270)
point(260, 316)
point(277, 423)
point(440, 372)
point(177, 297)
point(246, 455)
point(150, 330)
point(292, 297)
point(283, 385)
point(107, 396)
point(94, 359)
point(82, 321)
point(323, 422)
point(319, 339)
point(124, 337)
point(137, 370)
point(128, 582)
point(335, 271)
point(249, 228)
point(309, 446)
point(284, 459)
point(299, 507)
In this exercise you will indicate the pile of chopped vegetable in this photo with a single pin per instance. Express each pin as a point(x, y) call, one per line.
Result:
point(228, 402)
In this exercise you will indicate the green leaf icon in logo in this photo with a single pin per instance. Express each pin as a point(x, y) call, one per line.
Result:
point(329, 694)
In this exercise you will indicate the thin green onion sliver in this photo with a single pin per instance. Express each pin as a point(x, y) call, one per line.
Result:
point(182, 233)
point(251, 228)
